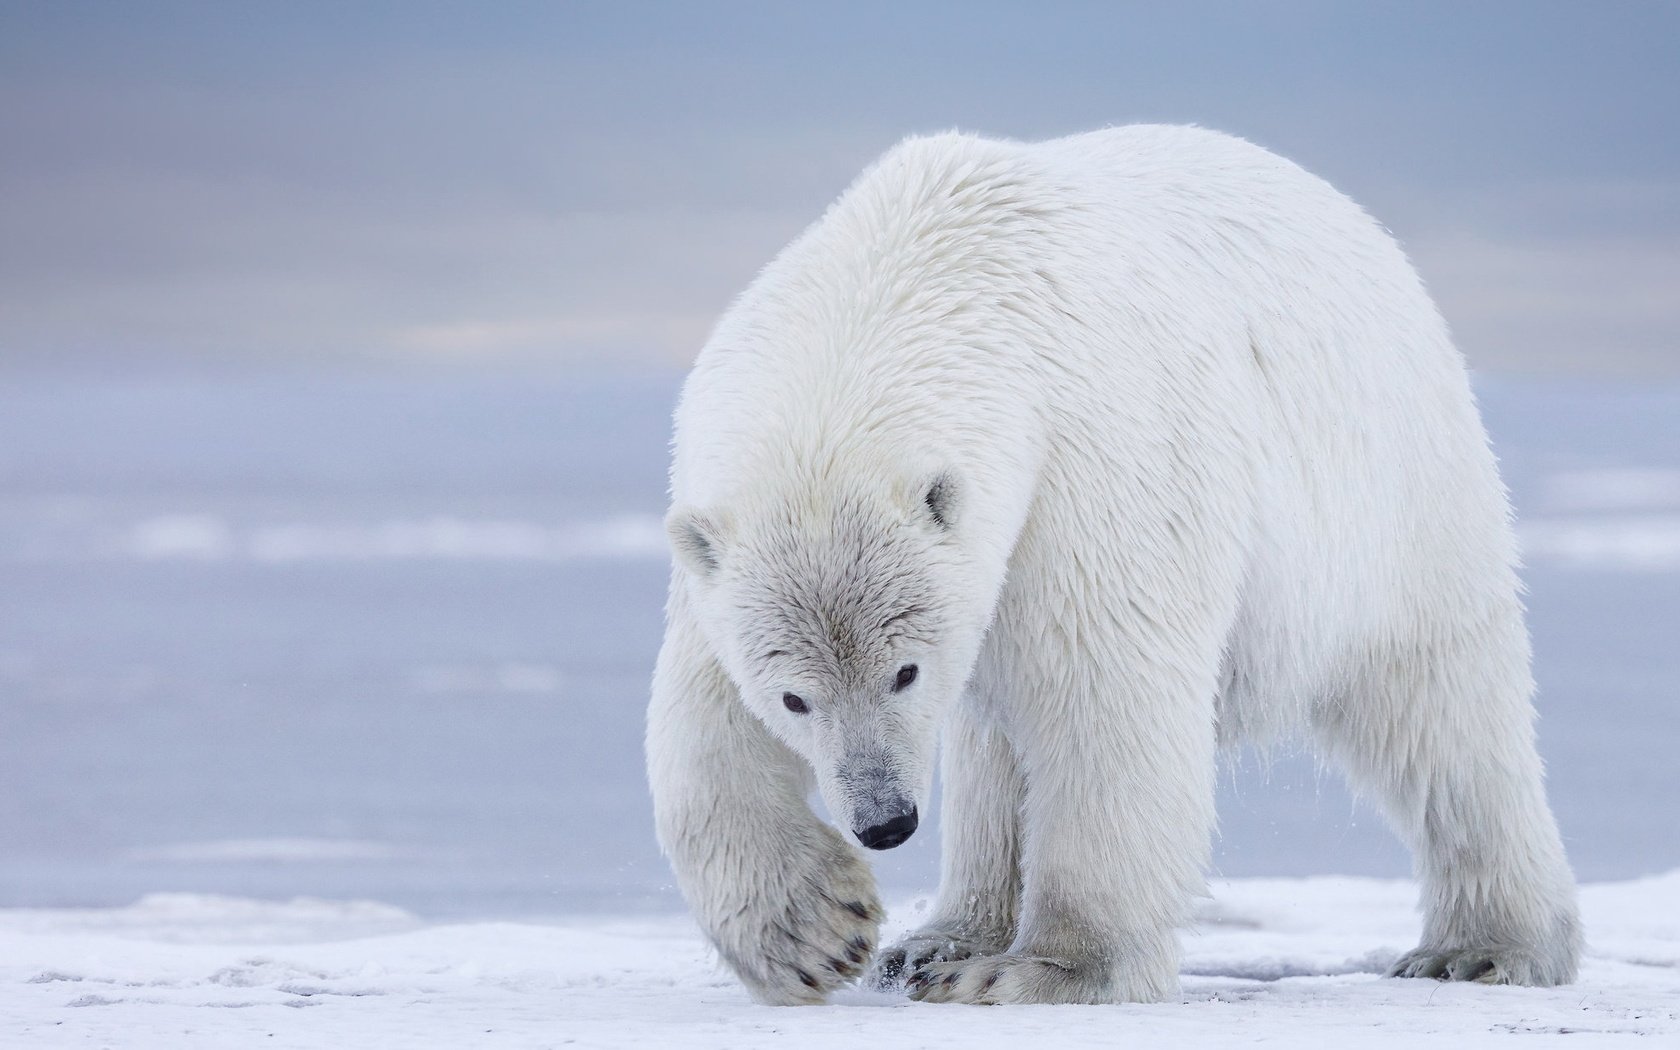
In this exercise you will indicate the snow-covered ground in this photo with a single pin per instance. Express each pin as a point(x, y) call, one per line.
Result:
point(269, 635)
point(1292, 961)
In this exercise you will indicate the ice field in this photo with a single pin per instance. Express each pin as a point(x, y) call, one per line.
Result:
point(385, 639)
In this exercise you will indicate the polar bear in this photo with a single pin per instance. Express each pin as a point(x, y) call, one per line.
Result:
point(1084, 457)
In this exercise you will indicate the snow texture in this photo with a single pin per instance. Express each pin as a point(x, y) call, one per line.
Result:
point(1271, 959)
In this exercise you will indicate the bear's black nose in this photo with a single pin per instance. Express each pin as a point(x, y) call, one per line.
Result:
point(891, 833)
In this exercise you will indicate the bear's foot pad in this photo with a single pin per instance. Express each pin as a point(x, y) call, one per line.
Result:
point(1479, 965)
point(998, 979)
point(921, 949)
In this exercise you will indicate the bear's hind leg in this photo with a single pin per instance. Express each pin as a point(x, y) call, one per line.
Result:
point(1442, 733)
point(980, 877)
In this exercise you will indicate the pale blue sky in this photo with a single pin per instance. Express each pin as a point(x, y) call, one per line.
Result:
point(588, 183)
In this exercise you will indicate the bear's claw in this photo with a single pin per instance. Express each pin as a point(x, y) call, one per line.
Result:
point(920, 949)
point(994, 979)
point(799, 941)
point(1480, 965)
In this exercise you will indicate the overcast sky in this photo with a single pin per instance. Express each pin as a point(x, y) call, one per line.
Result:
point(587, 184)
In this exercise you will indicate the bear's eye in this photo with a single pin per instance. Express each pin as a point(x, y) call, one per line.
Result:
point(795, 704)
point(906, 675)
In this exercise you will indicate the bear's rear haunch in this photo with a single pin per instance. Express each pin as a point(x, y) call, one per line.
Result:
point(1083, 458)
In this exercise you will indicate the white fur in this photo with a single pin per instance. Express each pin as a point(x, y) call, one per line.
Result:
point(1206, 466)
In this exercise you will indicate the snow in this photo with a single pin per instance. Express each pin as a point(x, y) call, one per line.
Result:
point(1609, 519)
point(1620, 542)
point(1293, 960)
point(295, 850)
point(207, 538)
point(1622, 488)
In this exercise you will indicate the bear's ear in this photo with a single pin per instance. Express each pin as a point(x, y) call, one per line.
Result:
point(695, 539)
point(940, 499)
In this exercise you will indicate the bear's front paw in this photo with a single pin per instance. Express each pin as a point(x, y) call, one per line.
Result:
point(997, 979)
point(808, 932)
point(930, 944)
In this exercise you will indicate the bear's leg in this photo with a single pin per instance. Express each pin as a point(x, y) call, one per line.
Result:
point(789, 905)
point(1442, 732)
point(980, 880)
point(1118, 759)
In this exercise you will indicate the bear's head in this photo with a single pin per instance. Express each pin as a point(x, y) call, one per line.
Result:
point(848, 624)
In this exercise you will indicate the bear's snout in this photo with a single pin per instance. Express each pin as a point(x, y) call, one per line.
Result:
point(889, 833)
